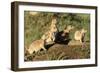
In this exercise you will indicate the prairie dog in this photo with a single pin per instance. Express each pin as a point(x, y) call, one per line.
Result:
point(79, 35)
point(53, 23)
point(64, 34)
point(51, 33)
point(36, 46)
point(47, 36)
point(67, 29)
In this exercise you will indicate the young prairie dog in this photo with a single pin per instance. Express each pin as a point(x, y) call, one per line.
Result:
point(36, 46)
point(79, 35)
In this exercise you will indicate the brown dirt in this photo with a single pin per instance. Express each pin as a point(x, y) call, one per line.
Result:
point(61, 51)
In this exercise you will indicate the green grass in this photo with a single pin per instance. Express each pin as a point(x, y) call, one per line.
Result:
point(37, 25)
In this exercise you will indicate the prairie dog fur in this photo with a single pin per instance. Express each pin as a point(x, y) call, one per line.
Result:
point(67, 29)
point(51, 33)
point(36, 46)
point(79, 35)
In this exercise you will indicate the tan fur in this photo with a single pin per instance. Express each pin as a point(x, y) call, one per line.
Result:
point(79, 35)
point(47, 36)
point(67, 29)
point(53, 23)
point(36, 46)
point(50, 35)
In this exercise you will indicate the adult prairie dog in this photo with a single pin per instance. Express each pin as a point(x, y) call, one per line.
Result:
point(36, 46)
point(79, 35)
point(51, 33)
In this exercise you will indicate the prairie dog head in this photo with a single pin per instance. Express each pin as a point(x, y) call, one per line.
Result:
point(83, 31)
point(68, 28)
point(53, 27)
point(53, 22)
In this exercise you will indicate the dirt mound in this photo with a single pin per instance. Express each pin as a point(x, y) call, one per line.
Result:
point(61, 52)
